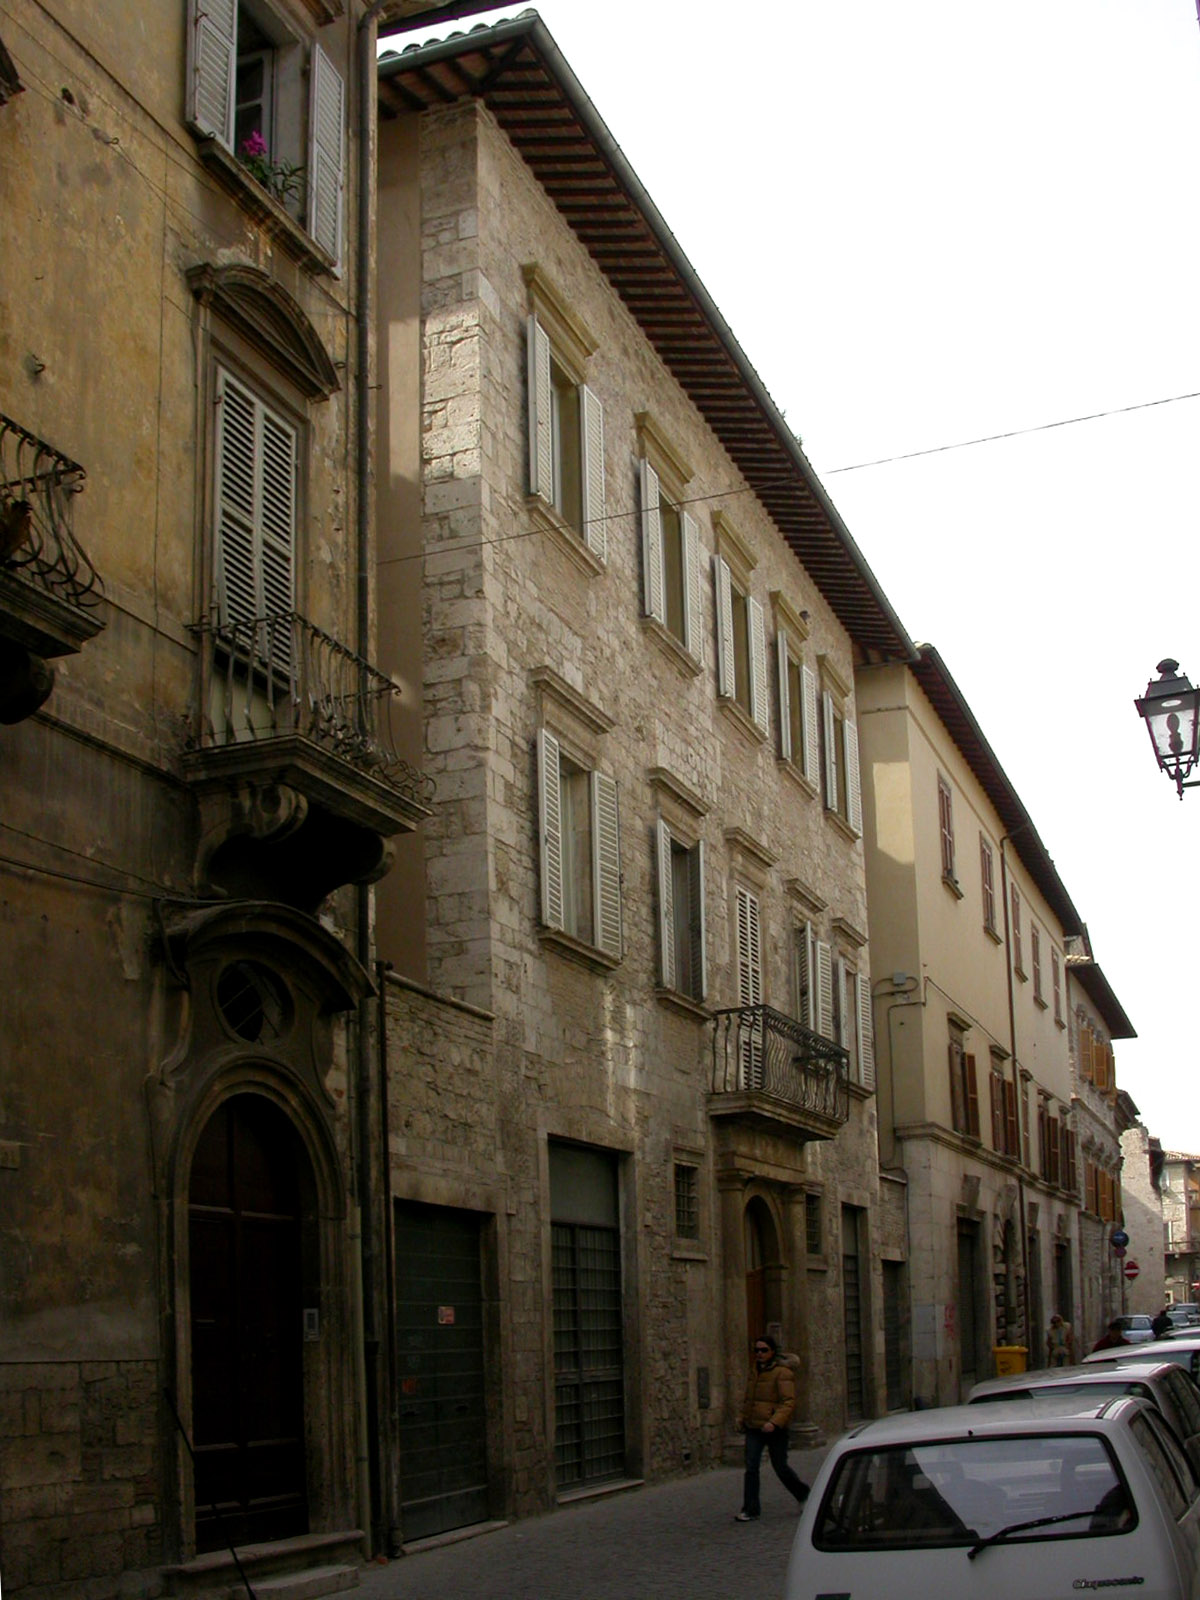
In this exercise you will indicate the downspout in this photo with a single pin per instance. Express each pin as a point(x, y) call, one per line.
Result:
point(1019, 1100)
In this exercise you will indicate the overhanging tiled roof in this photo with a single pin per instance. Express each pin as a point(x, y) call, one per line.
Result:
point(1100, 993)
point(959, 721)
point(518, 72)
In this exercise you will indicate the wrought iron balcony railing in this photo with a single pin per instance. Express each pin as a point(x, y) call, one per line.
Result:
point(759, 1052)
point(281, 677)
point(37, 542)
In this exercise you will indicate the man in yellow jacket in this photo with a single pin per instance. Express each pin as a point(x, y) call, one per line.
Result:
point(766, 1411)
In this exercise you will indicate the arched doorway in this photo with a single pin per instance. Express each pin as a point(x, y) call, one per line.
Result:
point(764, 1308)
point(250, 1193)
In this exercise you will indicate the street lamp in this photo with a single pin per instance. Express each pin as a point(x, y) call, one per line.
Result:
point(1171, 708)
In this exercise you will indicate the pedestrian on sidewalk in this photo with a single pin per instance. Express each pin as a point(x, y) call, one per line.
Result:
point(1060, 1342)
point(1114, 1337)
point(766, 1411)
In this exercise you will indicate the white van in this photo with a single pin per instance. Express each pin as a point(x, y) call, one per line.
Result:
point(1003, 1501)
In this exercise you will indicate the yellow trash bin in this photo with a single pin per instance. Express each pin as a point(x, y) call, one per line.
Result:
point(1009, 1358)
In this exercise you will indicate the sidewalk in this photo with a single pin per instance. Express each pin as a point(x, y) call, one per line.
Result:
point(673, 1541)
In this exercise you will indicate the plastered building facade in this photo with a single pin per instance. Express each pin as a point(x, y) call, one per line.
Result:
point(969, 930)
point(643, 882)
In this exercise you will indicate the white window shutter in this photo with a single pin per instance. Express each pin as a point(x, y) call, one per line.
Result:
point(724, 589)
point(326, 154)
point(809, 1019)
point(853, 787)
point(831, 794)
point(235, 562)
point(812, 737)
point(550, 841)
point(841, 1013)
point(278, 535)
point(749, 950)
point(866, 1032)
point(595, 525)
point(693, 591)
point(606, 864)
point(212, 67)
point(758, 663)
point(667, 975)
point(699, 958)
point(541, 436)
point(824, 997)
point(653, 584)
point(785, 699)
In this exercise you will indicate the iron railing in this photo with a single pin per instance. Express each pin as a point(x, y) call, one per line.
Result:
point(37, 492)
point(280, 676)
point(760, 1051)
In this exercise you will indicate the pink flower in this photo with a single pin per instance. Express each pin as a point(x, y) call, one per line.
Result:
point(255, 146)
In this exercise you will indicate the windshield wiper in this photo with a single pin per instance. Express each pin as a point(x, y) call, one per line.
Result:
point(1021, 1527)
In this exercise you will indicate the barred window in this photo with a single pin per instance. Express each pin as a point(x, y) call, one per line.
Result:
point(814, 1241)
point(687, 1201)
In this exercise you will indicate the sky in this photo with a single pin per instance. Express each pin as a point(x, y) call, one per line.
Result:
point(934, 223)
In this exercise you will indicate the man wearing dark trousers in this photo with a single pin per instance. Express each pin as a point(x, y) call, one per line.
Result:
point(766, 1411)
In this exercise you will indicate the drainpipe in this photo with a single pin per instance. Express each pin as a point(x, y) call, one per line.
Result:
point(1019, 1098)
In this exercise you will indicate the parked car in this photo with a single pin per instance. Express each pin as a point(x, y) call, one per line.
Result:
point(1164, 1383)
point(1184, 1315)
point(1182, 1348)
point(1137, 1328)
point(1002, 1501)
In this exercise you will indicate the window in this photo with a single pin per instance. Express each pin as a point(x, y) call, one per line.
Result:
point(987, 875)
point(1004, 1111)
point(946, 826)
point(741, 645)
point(749, 979)
point(1050, 1141)
point(672, 574)
point(964, 1090)
point(246, 92)
point(687, 1201)
point(566, 420)
point(1018, 958)
point(254, 522)
point(580, 849)
point(803, 976)
point(681, 914)
point(1035, 961)
point(1068, 1171)
point(816, 979)
point(814, 1240)
point(799, 733)
point(839, 750)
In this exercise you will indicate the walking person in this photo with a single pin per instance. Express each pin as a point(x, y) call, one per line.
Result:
point(766, 1411)
point(1060, 1343)
point(1162, 1324)
point(1114, 1337)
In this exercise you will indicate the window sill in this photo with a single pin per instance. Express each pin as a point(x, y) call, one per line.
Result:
point(952, 884)
point(678, 1001)
point(673, 648)
point(264, 208)
point(688, 1252)
point(840, 823)
point(738, 715)
point(569, 539)
point(797, 777)
point(587, 955)
point(992, 934)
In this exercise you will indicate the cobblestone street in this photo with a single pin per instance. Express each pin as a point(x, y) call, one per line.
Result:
point(674, 1541)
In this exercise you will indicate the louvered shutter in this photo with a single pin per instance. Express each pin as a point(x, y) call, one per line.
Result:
point(831, 787)
point(1012, 1140)
point(853, 788)
point(326, 154)
point(841, 1012)
point(812, 737)
point(750, 986)
point(699, 956)
point(277, 551)
point(653, 586)
point(666, 907)
point(724, 590)
point(972, 1096)
point(758, 663)
point(997, 1088)
point(958, 1103)
point(606, 864)
point(595, 526)
point(824, 996)
point(550, 842)
point(807, 978)
point(212, 67)
point(1054, 1175)
point(541, 433)
point(693, 589)
point(785, 698)
point(866, 1032)
point(236, 565)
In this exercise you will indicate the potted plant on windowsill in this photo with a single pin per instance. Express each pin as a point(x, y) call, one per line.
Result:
point(282, 180)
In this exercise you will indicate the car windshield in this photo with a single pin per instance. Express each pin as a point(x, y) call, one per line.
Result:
point(963, 1491)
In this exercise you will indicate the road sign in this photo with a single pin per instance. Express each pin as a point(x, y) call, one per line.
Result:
point(1118, 1238)
point(1119, 1252)
point(1131, 1269)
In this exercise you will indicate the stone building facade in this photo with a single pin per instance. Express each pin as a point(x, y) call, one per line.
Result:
point(969, 927)
point(642, 881)
point(197, 785)
point(1181, 1224)
point(1142, 1179)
